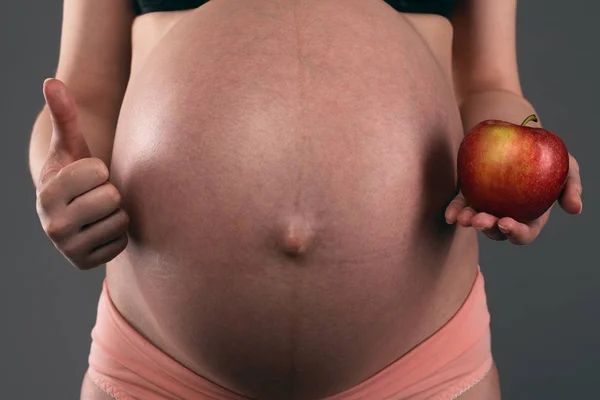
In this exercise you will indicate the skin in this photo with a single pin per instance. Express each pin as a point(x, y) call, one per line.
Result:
point(89, 391)
point(300, 252)
point(492, 22)
point(507, 228)
point(480, 47)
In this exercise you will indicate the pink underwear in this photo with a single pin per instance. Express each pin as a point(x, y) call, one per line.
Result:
point(448, 363)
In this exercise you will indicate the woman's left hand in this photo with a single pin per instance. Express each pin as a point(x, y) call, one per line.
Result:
point(507, 228)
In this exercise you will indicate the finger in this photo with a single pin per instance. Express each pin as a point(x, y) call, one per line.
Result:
point(99, 235)
point(488, 225)
point(570, 198)
point(494, 234)
point(80, 177)
point(454, 208)
point(103, 231)
point(63, 111)
point(483, 221)
point(67, 144)
point(70, 182)
point(108, 251)
point(520, 233)
point(465, 215)
point(94, 205)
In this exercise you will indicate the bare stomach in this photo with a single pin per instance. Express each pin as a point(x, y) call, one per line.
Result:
point(286, 166)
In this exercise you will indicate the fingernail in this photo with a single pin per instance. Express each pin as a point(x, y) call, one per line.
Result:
point(580, 206)
point(503, 229)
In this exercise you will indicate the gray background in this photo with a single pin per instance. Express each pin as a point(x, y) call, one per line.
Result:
point(544, 297)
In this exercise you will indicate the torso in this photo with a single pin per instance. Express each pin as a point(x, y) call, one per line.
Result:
point(286, 166)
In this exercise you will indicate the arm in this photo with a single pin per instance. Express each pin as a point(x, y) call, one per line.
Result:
point(488, 87)
point(485, 62)
point(94, 61)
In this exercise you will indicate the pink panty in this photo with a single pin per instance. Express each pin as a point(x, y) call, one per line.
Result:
point(126, 366)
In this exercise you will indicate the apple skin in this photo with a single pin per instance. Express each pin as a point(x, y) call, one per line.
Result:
point(510, 170)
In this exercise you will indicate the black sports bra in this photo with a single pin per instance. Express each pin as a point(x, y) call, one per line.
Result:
point(441, 7)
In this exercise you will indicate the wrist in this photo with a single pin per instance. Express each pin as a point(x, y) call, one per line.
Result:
point(497, 104)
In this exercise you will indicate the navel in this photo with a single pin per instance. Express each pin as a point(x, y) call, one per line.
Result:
point(296, 236)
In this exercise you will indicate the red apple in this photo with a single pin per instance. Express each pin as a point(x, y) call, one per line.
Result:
point(510, 170)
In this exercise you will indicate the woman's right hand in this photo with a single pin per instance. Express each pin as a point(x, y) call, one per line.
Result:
point(78, 207)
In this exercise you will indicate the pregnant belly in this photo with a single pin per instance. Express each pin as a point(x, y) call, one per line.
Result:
point(286, 166)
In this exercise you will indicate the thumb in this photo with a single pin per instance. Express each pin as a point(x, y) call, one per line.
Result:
point(67, 144)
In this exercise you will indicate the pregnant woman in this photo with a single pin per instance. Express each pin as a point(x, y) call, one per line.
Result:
point(272, 184)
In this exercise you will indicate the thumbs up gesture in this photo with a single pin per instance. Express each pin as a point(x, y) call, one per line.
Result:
point(78, 207)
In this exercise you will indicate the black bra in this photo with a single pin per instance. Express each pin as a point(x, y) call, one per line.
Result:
point(440, 7)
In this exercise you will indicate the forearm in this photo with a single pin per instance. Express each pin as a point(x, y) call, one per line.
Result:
point(98, 130)
point(495, 104)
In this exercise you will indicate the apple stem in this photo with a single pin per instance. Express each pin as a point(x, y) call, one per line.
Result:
point(532, 117)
